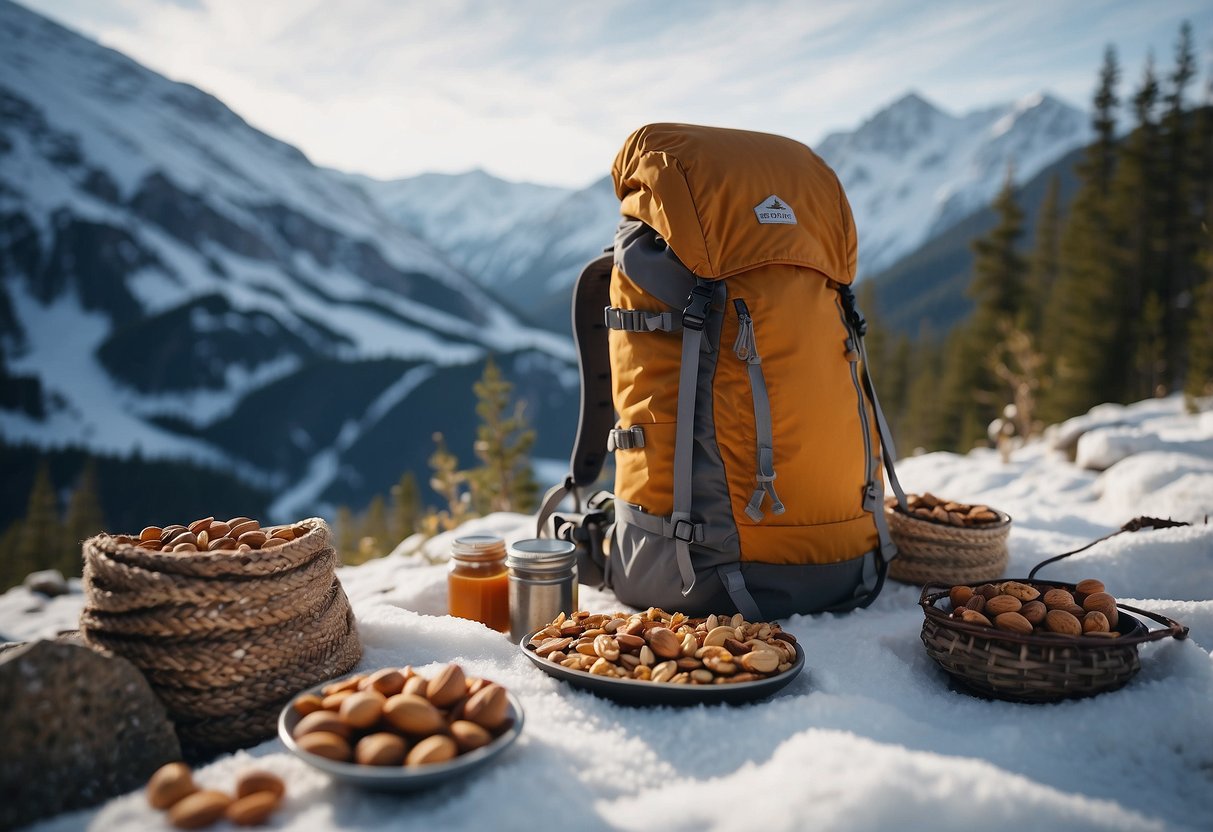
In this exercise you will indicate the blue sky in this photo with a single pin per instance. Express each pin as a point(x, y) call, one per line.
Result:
point(547, 91)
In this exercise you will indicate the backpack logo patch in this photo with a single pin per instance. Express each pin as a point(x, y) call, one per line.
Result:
point(774, 210)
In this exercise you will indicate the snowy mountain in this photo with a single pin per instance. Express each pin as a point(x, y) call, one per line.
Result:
point(176, 283)
point(913, 170)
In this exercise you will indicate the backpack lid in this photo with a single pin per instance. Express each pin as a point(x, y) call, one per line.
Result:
point(727, 201)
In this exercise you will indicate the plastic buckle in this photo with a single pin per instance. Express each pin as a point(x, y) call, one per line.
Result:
point(699, 305)
point(688, 535)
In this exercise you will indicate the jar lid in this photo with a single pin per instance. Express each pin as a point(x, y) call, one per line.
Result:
point(478, 547)
point(542, 553)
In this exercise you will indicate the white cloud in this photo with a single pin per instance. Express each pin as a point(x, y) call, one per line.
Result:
point(546, 91)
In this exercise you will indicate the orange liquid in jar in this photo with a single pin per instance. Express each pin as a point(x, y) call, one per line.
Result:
point(480, 597)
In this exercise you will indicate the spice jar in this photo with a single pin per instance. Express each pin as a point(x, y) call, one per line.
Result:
point(543, 583)
point(477, 584)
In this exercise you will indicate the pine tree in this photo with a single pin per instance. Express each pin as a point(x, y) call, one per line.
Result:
point(12, 572)
point(503, 481)
point(42, 538)
point(1045, 262)
point(347, 533)
point(375, 541)
point(406, 506)
point(1133, 216)
point(450, 483)
point(1083, 322)
point(84, 517)
point(1200, 341)
point(1180, 227)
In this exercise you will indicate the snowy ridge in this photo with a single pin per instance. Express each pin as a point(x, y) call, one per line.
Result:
point(869, 737)
point(163, 264)
point(912, 170)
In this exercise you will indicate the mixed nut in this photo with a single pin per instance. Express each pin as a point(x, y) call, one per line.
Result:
point(949, 512)
point(1021, 608)
point(172, 789)
point(395, 717)
point(657, 646)
point(239, 534)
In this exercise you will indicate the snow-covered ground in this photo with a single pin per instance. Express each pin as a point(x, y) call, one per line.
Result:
point(870, 736)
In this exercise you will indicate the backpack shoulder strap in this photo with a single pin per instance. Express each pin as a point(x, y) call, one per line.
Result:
point(591, 294)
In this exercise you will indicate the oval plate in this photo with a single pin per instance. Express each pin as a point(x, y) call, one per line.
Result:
point(399, 778)
point(636, 692)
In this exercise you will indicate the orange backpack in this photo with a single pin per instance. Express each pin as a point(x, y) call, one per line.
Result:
point(722, 362)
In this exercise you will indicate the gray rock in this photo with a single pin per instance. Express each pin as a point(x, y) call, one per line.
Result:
point(48, 582)
point(78, 727)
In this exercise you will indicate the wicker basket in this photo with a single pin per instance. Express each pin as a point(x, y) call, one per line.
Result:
point(930, 552)
point(1036, 667)
point(224, 639)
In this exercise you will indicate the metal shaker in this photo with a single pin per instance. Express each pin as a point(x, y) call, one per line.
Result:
point(543, 583)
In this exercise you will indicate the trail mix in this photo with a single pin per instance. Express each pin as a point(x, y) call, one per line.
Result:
point(397, 717)
point(657, 646)
point(1020, 608)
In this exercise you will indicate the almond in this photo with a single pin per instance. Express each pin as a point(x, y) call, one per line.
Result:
point(413, 714)
point(1034, 611)
point(274, 543)
point(435, 749)
point(488, 707)
point(388, 681)
point(960, 595)
point(1090, 586)
point(1095, 622)
point(759, 661)
point(239, 525)
point(362, 709)
point(251, 782)
point(1014, 622)
point(150, 533)
point(218, 530)
point(307, 704)
point(664, 643)
point(973, 617)
point(382, 749)
point(1000, 604)
point(325, 744)
point(977, 603)
point(223, 543)
point(252, 810)
point(1058, 599)
point(468, 735)
point(1021, 591)
point(253, 538)
point(201, 525)
point(1102, 602)
point(333, 701)
point(321, 721)
point(447, 687)
point(1060, 621)
point(198, 809)
point(169, 784)
point(717, 636)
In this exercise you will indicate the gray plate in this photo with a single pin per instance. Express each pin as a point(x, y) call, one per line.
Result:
point(636, 692)
point(399, 778)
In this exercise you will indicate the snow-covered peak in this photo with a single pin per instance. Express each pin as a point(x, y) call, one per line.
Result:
point(913, 169)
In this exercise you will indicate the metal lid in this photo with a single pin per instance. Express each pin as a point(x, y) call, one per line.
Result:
point(541, 554)
point(478, 547)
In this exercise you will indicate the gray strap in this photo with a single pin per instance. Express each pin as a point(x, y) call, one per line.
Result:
point(653, 524)
point(552, 500)
point(746, 348)
point(624, 439)
point(734, 584)
point(694, 318)
point(640, 320)
point(887, 449)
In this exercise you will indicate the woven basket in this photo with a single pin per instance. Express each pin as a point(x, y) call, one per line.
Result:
point(1036, 667)
point(930, 552)
point(225, 639)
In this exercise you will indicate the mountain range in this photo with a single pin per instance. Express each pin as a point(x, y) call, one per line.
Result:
point(177, 285)
point(910, 172)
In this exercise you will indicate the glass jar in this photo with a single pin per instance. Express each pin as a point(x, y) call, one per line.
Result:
point(543, 583)
point(478, 583)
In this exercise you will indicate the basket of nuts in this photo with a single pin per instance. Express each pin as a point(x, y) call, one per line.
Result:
point(1039, 641)
point(943, 541)
point(226, 619)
